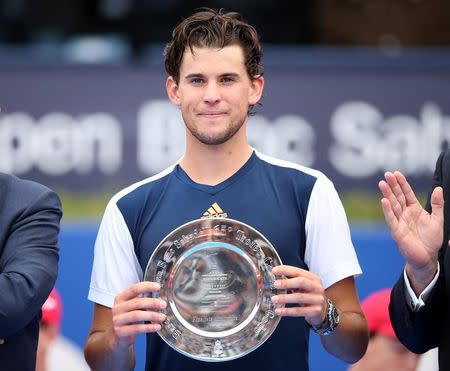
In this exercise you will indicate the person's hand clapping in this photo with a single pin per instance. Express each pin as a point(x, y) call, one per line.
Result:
point(418, 234)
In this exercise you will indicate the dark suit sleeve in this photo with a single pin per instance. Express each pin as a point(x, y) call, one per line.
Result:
point(420, 331)
point(29, 259)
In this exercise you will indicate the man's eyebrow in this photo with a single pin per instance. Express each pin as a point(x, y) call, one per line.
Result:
point(197, 75)
point(193, 75)
point(229, 74)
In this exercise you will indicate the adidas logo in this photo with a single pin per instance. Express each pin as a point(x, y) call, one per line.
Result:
point(215, 211)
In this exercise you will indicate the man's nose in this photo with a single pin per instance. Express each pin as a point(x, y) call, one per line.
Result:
point(212, 93)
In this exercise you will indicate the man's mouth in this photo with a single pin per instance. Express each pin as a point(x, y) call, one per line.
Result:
point(212, 114)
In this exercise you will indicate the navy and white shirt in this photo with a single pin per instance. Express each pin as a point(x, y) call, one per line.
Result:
point(296, 208)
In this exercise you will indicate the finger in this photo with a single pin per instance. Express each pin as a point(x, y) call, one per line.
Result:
point(386, 190)
point(298, 311)
point(132, 330)
point(407, 191)
point(387, 193)
point(290, 271)
point(138, 316)
point(138, 289)
point(389, 216)
point(396, 197)
point(139, 304)
point(298, 298)
point(393, 181)
point(2, 341)
point(297, 283)
point(437, 203)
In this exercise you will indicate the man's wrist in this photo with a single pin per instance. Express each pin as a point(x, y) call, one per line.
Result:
point(115, 342)
point(331, 321)
point(417, 301)
point(420, 278)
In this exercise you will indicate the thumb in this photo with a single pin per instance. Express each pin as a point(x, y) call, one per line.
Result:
point(437, 203)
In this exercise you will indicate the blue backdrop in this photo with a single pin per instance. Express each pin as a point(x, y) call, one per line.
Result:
point(378, 256)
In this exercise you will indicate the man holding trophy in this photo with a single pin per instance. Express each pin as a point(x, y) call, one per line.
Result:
point(228, 256)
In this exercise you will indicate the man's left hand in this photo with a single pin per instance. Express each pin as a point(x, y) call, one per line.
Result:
point(305, 290)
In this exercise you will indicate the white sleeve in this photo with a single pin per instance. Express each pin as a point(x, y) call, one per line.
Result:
point(415, 302)
point(329, 250)
point(115, 266)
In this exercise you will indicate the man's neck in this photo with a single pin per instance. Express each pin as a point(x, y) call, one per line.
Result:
point(212, 165)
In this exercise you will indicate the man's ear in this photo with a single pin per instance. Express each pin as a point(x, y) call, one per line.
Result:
point(172, 90)
point(257, 87)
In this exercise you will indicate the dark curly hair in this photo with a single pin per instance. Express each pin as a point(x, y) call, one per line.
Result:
point(217, 29)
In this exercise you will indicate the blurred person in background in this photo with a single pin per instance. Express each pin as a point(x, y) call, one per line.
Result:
point(420, 300)
point(55, 353)
point(48, 328)
point(29, 218)
point(384, 352)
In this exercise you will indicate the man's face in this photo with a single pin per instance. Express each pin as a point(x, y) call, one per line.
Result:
point(214, 93)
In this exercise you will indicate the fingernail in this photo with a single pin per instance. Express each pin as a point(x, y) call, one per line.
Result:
point(278, 311)
point(277, 284)
point(162, 304)
point(157, 327)
point(274, 299)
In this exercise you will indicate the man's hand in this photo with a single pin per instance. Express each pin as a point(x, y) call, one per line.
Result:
point(418, 234)
point(305, 290)
point(133, 313)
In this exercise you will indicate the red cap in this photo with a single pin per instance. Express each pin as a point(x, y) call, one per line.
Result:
point(52, 309)
point(376, 310)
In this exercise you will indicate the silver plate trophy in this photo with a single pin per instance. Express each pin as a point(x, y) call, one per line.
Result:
point(216, 277)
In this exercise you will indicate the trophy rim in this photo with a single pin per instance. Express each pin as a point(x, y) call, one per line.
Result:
point(161, 332)
point(155, 250)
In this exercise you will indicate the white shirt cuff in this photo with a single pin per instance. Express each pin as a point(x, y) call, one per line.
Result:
point(418, 302)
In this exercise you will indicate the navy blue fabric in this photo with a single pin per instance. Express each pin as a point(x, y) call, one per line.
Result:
point(272, 199)
point(29, 220)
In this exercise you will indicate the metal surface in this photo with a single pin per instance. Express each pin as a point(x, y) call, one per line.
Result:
point(215, 275)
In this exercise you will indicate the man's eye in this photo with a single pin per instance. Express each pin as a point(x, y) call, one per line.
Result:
point(227, 80)
point(196, 81)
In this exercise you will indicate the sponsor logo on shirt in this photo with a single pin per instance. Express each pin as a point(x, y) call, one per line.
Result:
point(215, 211)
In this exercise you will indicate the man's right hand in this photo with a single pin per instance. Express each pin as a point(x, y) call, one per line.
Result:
point(134, 313)
point(418, 234)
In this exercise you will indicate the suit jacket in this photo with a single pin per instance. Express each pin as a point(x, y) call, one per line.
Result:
point(29, 225)
point(430, 326)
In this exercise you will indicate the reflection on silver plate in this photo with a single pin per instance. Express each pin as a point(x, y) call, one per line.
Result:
point(216, 277)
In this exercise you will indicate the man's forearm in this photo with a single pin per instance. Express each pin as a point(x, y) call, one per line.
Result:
point(349, 341)
point(103, 354)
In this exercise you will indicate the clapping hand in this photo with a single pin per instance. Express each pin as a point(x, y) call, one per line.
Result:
point(418, 234)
